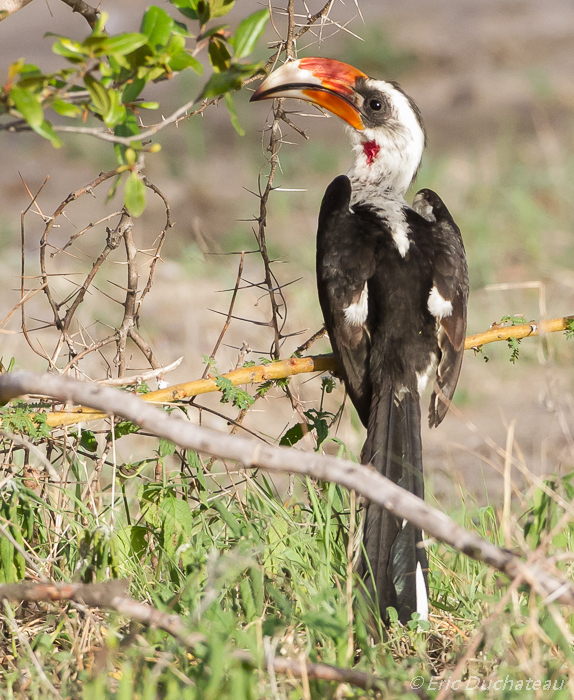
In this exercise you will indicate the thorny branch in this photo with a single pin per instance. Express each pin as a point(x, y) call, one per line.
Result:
point(229, 315)
point(71, 303)
point(544, 579)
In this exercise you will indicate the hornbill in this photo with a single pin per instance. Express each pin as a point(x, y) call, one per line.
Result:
point(393, 287)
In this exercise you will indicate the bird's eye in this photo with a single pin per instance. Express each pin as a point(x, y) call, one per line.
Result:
point(375, 105)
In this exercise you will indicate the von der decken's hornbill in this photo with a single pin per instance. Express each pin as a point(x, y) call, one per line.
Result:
point(393, 287)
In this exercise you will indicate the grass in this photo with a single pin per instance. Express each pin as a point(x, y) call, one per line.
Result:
point(251, 569)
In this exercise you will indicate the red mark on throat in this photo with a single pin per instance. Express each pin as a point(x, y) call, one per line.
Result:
point(371, 150)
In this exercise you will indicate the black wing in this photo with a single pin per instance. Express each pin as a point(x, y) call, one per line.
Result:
point(345, 263)
point(450, 277)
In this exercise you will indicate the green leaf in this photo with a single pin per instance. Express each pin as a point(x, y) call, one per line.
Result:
point(230, 104)
point(227, 517)
point(132, 89)
point(293, 435)
point(72, 50)
point(229, 392)
point(28, 105)
point(116, 113)
point(124, 427)
point(131, 543)
point(166, 447)
point(101, 100)
point(219, 55)
point(220, 83)
point(157, 25)
point(193, 9)
point(183, 60)
point(219, 8)
point(134, 196)
point(177, 523)
point(129, 127)
point(89, 441)
point(100, 24)
point(47, 131)
point(96, 45)
point(66, 109)
point(248, 33)
point(317, 420)
point(126, 43)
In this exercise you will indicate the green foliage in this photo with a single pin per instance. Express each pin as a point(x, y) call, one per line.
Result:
point(515, 320)
point(514, 345)
point(124, 427)
point(13, 516)
point(107, 74)
point(569, 332)
point(233, 394)
point(318, 420)
point(243, 567)
point(18, 418)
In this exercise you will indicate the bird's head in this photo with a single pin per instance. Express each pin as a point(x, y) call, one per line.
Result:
point(385, 125)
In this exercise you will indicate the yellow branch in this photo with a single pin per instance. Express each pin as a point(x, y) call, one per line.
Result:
point(179, 392)
point(295, 365)
point(526, 330)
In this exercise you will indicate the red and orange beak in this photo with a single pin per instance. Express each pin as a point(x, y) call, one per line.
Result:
point(321, 81)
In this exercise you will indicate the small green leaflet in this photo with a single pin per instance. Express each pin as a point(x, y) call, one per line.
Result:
point(134, 196)
point(28, 104)
point(248, 33)
point(157, 26)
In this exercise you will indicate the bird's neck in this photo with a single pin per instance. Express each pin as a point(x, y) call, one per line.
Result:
point(385, 162)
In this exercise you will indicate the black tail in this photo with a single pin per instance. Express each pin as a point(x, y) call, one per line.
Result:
point(394, 563)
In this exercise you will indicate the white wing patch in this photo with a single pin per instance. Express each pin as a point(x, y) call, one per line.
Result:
point(437, 305)
point(423, 377)
point(356, 314)
point(421, 593)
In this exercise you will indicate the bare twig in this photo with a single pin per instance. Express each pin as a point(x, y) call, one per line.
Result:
point(160, 240)
point(253, 454)
point(90, 14)
point(72, 197)
point(130, 303)
point(142, 376)
point(229, 315)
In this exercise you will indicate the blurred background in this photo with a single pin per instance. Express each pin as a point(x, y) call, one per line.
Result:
point(495, 83)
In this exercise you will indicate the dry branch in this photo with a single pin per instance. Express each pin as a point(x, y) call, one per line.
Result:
point(297, 365)
point(113, 596)
point(90, 14)
point(252, 454)
point(8, 7)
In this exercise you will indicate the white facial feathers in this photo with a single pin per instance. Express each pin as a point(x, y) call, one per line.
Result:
point(437, 305)
point(401, 140)
point(356, 314)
